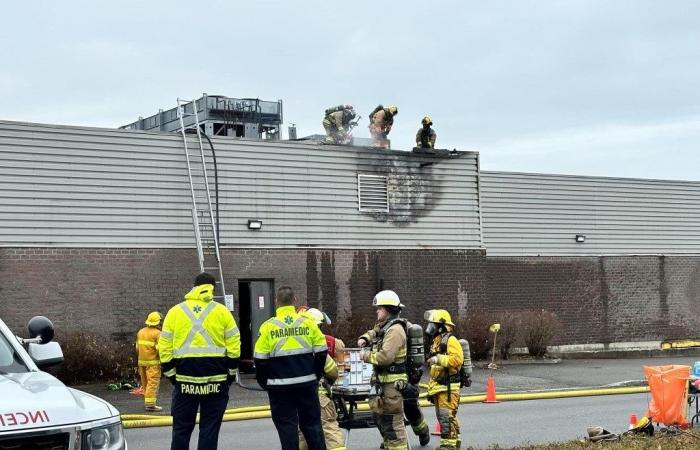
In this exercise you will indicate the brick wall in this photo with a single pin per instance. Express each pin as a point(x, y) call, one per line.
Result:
point(599, 299)
point(603, 299)
point(112, 290)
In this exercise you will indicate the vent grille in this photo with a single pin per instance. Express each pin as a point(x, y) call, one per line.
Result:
point(372, 193)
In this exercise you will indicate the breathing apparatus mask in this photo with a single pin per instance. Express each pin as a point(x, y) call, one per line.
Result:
point(432, 329)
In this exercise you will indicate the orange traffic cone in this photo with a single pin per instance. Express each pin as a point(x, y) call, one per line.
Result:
point(633, 421)
point(438, 429)
point(491, 390)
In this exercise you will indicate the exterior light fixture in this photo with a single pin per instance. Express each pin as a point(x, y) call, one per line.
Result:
point(254, 224)
point(580, 238)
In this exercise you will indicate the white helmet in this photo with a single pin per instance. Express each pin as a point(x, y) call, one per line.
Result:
point(387, 298)
point(317, 316)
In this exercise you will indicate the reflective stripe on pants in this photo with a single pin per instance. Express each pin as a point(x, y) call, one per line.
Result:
point(150, 382)
point(446, 412)
point(388, 414)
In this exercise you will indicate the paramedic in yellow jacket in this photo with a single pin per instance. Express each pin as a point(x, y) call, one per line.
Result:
point(200, 346)
point(380, 122)
point(334, 436)
point(148, 361)
point(387, 342)
point(445, 362)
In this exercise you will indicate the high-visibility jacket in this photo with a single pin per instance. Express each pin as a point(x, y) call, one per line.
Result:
point(449, 362)
point(200, 344)
point(330, 369)
point(147, 346)
point(290, 351)
point(388, 352)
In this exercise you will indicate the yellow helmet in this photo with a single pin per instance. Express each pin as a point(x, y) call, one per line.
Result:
point(153, 319)
point(387, 298)
point(393, 110)
point(427, 120)
point(317, 316)
point(438, 316)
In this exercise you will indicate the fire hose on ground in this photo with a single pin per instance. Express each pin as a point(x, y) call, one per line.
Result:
point(262, 412)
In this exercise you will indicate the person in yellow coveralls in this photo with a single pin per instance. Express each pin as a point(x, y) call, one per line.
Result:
point(148, 360)
point(445, 362)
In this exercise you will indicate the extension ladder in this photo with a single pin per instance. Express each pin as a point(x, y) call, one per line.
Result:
point(203, 217)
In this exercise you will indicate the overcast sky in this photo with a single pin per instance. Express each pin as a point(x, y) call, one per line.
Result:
point(598, 87)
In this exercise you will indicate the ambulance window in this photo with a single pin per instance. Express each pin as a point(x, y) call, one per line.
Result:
point(10, 361)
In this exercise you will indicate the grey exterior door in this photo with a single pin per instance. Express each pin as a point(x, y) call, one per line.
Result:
point(261, 305)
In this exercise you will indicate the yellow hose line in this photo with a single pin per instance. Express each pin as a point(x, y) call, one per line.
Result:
point(262, 412)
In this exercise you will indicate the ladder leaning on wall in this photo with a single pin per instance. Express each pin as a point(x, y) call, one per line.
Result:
point(203, 218)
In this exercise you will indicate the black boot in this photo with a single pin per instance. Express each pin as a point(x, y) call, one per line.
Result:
point(424, 437)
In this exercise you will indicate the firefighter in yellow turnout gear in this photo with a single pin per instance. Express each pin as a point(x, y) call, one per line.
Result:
point(334, 436)
point(338, 122)
point(148, 361)
point(387, 342)
point(445, 361)
point(426, 136)
point(200, 346)
point(381, 120)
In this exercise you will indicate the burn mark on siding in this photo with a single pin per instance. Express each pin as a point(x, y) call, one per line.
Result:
point(414, 189)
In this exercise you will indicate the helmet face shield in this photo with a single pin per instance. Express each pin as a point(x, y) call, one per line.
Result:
point(431, 329)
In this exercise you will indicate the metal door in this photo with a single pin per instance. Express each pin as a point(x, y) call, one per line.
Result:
point(261, 306)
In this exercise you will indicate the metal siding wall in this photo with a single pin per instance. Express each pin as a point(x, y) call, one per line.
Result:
point(539, 214)
point(78, 187)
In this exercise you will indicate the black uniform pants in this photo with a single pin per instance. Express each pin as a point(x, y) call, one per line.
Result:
point(211, 412)
point(297, 408)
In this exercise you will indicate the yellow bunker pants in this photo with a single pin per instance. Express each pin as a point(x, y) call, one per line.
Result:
point(446, 412)
point(150, 381)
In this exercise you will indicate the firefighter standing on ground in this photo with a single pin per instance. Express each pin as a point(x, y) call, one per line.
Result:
point(445, 362)
point(388, 356)
point(290, 355)
point(426, 136)
point(200, 346)
point(338, 122)
point(412, 410)
point(334, 436)
point(380, 122)
point(148, 361)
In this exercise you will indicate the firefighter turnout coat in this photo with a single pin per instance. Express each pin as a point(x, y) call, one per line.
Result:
point(200, 344)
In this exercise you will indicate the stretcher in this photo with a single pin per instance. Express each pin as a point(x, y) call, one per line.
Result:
point(353, 387)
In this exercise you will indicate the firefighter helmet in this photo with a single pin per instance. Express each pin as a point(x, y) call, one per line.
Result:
point(393, 110)
point(317, 316)
point(427, 120)
point(153, 319)
point(387, 298)
point(439, 316)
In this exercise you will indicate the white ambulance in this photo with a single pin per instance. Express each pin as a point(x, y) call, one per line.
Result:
point(37, 411)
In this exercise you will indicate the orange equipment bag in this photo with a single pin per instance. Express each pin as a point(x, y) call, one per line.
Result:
point(669, 394)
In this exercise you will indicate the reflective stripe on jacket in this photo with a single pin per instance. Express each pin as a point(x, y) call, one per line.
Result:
point(388, 354)
point(449, 362)
point(290, 350)
point(200, 342)
point(147, 346)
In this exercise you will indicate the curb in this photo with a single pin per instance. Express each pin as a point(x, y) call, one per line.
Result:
point(263, 411)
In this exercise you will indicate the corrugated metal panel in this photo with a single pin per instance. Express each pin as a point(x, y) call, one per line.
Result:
point(538, 214)
point(78, 186)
